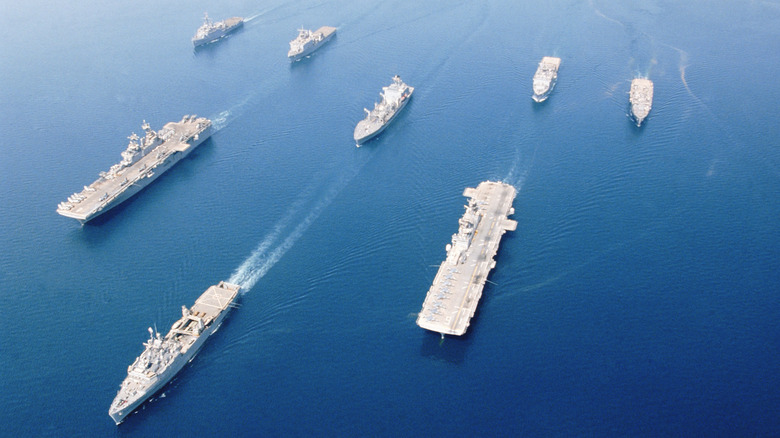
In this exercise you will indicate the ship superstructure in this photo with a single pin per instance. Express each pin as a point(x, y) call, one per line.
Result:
point(209, 31)
point(145, 159)
point(308, 41)
point(394, 99)
point(164, 356)
point(641, 98)
point(545, 77)
point(453, 297)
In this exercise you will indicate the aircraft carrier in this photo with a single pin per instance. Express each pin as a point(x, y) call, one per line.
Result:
point(394, 99)
point(545, 77)
point(166, 356)
point(143, 161)
point(209, 31)
point(453, 297)
point(641, 98)
point(308, 41)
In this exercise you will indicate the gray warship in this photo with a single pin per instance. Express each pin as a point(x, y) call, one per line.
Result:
point(394, 99)
point(641, 98)
point(209, 31)
point(163, 357)
point(308, 41)
point(453, 297)
point(545, 77)
point(145, 159)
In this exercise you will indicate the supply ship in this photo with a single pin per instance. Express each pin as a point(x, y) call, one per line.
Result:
point(209, 31)
point(163, 357)
point(145, 159)
point(453, 297)
point(545, 77)
point(641, 98)
point(308, 41)
point(394, 99)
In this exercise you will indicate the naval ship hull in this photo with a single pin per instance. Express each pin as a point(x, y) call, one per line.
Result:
point(378, 130)
point(541, 97)
point(453, 297)
point(545, 78)
point(140, 183)
point(232, 25)
point(173, 369)
point(638, 116)
point(327, 32)
point(169, 374)
point(640, 99)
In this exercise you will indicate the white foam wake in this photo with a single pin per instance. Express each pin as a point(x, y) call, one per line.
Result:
point(519, 171)
point(269, 252)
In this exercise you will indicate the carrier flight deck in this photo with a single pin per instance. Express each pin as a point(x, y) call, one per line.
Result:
point(453, 297)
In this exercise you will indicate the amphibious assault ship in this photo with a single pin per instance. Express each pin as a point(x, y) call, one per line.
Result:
point(394, 99)
point(641, 98)
point(308, 41)
point(163, 357)
point(452, 299)
point(209, 31)
point(145, 159)
point(545, 77)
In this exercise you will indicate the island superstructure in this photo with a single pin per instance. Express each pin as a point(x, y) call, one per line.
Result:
point(209, 31)
point(163, 357)
point(641, 98)
point(545, 77)
point(394, 99)
point(145, 159)
point(308, 41)
point(453, 297)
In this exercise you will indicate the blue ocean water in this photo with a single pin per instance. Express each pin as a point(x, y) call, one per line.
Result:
point(638, 296)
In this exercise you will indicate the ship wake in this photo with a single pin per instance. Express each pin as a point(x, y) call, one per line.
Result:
point(519, 170)
point(284, 234)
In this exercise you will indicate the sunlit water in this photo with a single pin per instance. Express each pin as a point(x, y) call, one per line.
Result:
point(638, 295)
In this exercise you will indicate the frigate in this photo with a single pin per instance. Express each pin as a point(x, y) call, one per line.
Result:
point(545, 77)
point(453, 297)
point(164, 356)
point(209, 31)
point(641, 98)
point(394, 99)
point(144, 160)
point(308, 41)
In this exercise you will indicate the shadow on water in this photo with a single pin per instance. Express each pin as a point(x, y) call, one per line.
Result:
point(451, 349)
point(542, 107)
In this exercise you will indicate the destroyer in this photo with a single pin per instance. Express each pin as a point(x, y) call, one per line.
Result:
point(452, 299)
point(394, 99)
point(209, 31)
point(165, 356)
point(641, 98)
point(308, 41)
point(545, 77)
point(143, 161)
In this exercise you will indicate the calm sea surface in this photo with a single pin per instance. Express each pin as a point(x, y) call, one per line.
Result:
point(638, 297)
